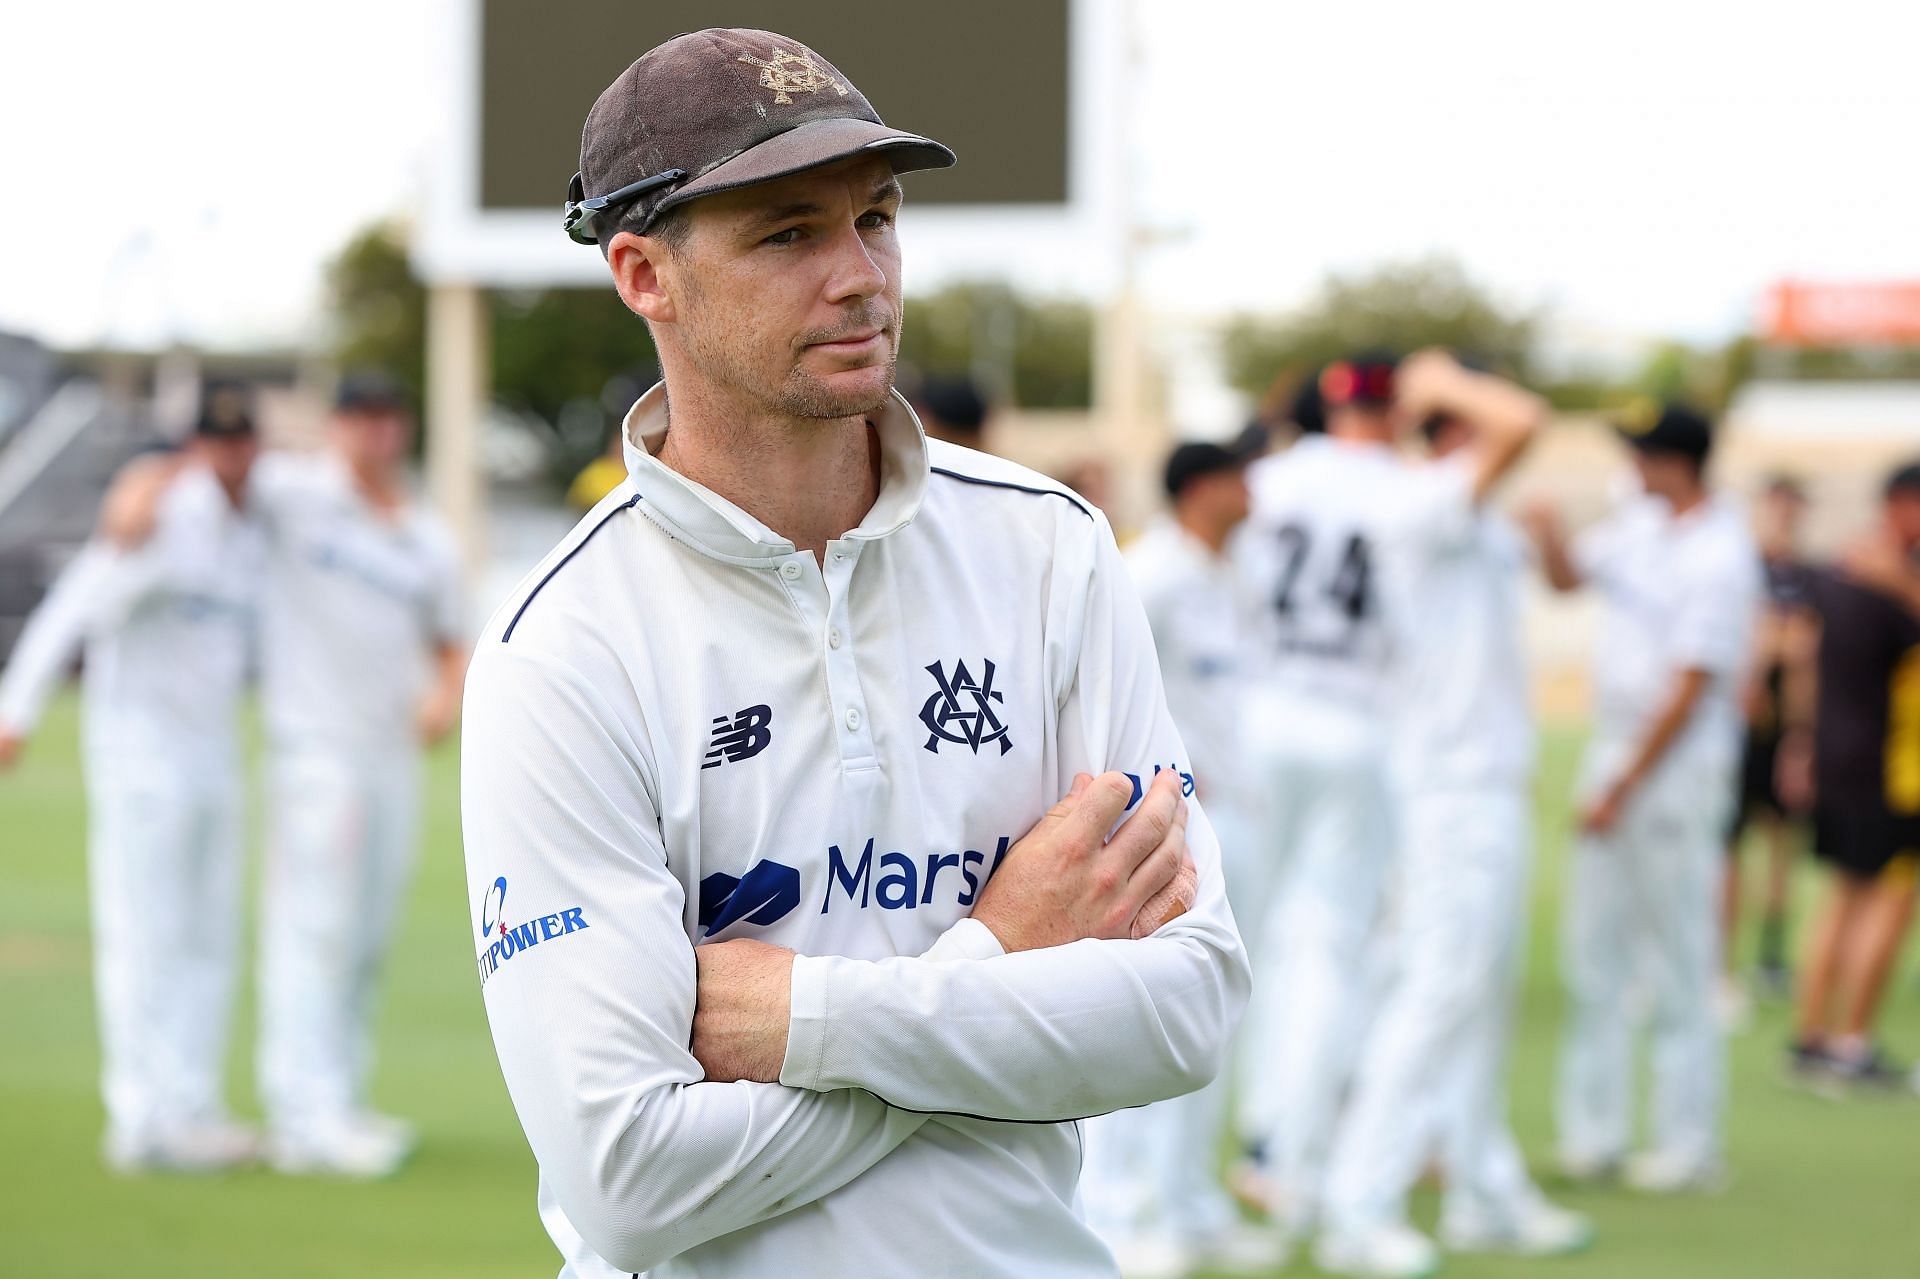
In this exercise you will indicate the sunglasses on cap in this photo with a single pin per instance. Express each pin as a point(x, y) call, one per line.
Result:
point(582, 213)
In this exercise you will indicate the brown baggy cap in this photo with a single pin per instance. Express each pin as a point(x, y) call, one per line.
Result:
point(721, 109)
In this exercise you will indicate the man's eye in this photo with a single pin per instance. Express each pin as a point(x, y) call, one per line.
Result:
point(787, 236)
point(876, 219)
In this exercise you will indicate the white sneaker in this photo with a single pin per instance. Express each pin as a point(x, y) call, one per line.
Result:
point(1659, 1172)
point(346, 1147)
point(1588, 1169)
point(1152, 1256)
point(1533, 1229)
point(205, 1146)
point(1242, 1249)
point(1390, 1251)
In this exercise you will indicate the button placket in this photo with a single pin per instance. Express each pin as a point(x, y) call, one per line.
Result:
point(843, 670)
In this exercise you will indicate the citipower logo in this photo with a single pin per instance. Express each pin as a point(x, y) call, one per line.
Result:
point(509, 940)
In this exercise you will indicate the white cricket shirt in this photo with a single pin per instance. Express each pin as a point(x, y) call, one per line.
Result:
point(1680, 593)
point(167, 629)
point(1461, 712)
point(1332, 522)
point(1199, 615)
point(356, 602)
point(680, 728)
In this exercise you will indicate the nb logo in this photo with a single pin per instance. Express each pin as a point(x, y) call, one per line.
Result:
point(961, 709)
point(766, 894)
point(741, 736)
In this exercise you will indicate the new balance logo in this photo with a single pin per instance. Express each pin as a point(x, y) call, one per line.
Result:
point(740, 736)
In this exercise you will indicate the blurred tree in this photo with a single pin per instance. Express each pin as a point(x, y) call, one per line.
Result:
point(555, 351)
point(379, 308)
point(1400, 307)
point(1034, 352)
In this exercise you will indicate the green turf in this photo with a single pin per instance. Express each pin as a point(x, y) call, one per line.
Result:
point(1819, 1188)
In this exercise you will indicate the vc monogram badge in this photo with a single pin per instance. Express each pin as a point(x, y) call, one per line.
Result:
point(790, 73)
point(961, 709)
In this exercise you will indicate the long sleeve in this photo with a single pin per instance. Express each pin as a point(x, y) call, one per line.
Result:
point(1070, 1031)
point(589, 985)
point(94, 592)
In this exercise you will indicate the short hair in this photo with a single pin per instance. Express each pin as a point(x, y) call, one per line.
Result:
point(671, 228)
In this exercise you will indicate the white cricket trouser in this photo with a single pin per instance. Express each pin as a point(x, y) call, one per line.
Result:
point(165, 865)
point(1642, 925)
point(1331, 834)
point(1155, 1169)
point(339, 857)
point(1430, 1080)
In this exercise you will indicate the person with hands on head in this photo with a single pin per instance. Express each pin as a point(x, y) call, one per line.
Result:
point(1679, 579)
point(789, 779)
point(1430, 1081)
point(167, 629)
point(362, 657)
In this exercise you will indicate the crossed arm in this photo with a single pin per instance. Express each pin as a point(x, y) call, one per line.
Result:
point(605, 1040)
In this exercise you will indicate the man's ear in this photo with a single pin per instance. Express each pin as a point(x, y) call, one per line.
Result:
point(636, 264)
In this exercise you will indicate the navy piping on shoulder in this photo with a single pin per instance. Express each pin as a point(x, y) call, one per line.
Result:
point(1019, 488)
point(518, 613)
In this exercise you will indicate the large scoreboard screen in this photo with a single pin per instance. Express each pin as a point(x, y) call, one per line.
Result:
point(987, 77)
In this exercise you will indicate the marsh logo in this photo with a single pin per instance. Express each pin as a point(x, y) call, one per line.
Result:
point(509, 940)
point(766, 894)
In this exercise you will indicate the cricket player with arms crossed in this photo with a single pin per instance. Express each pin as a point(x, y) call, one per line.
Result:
point(796, 959)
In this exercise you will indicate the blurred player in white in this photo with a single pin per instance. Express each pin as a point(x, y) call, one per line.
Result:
point(1316, 731)
point(362, 661)
point(1679, 579)
point(167, 631)
point(1151, 1183)
point(1430, 1079)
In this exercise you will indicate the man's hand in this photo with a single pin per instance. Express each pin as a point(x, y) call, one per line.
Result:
point(1065, 880)
point(1603, 814)
point(131, 507)
point(740, 1015)
point(1425, 382)
point(10, 746)
point(434, 717)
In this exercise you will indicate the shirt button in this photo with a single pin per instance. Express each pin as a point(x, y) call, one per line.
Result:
point(833, 638)
point(790, 570)
point(853, 720)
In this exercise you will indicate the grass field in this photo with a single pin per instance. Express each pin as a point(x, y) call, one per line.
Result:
point(1820, 1188)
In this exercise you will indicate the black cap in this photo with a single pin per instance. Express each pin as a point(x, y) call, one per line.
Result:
point(1905, 479)
point(1365, 379)
point(719, 109)
point(1667, 428)
point(224, 419)
point(1194, 459)
point(371, 391)
point(955, 403)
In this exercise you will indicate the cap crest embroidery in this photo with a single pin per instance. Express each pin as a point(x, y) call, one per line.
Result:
point(792, 73)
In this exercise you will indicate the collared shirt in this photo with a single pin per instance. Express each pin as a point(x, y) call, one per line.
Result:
point(679, 729)
point(1200, 615)
point(1679, 593)
point(168, 629)
point(356, 603)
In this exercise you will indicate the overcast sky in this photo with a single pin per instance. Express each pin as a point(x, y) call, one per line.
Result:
point(1639, 168)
